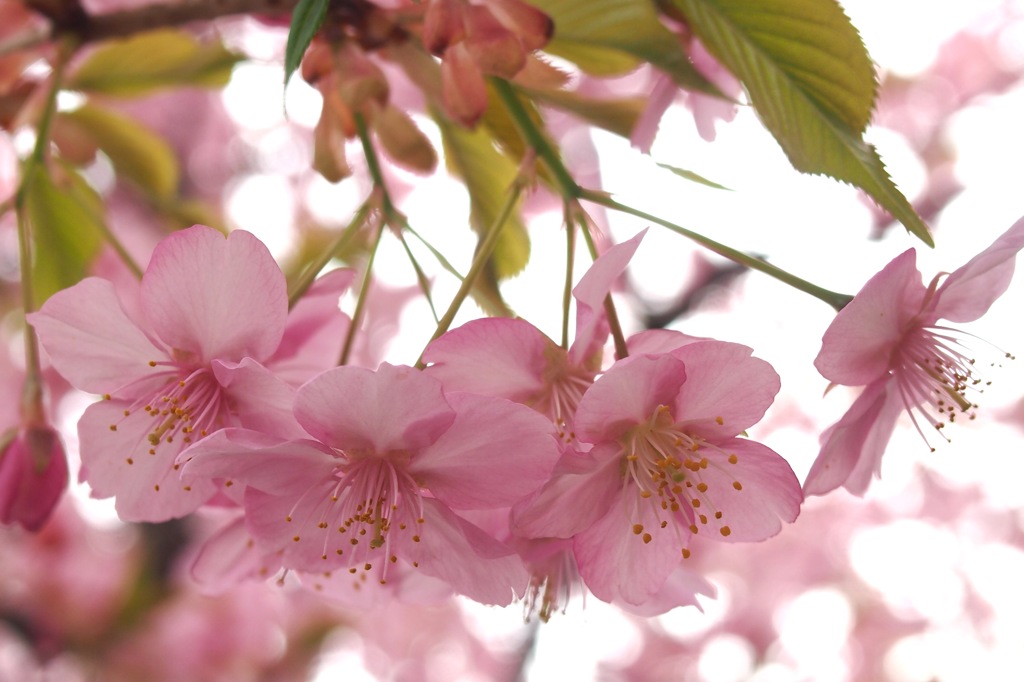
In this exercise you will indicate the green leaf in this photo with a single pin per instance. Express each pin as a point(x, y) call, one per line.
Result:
point(615, 115)
point(488, 175)
point(306, 19)
point(137, 153)
point(148, 61)
point(65, 233)
point(693, 177)
point(610, 37)
point(811, 81)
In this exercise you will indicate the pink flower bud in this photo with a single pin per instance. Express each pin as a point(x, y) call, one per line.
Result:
point(33, 475)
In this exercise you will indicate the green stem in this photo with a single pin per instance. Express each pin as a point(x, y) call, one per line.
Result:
point(483, 254)
point(364, 290)
point(570, 260)
point(536, 140)
point(373, 165)
point(32, 392)
point(309, 275)
point(836, 300)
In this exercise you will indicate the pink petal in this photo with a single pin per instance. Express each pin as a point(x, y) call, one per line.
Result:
point(726, 390)
point(91, 341)
point(494, 453)
point(315, 330)
point(971, 289)
point(857, 346)
point(258, 399)
point(658, 341)
point(616, 564)
point(590, 293)
point(258, 461)
point(495, 356)
point(393, 408)
point(681, 589)
point(769, 492)
point(117, 463)
point(215, 297)
point(472, 562)
point(229, 557)
point(569, 503)
point(662, 93)
point(289, 527)
point(852, 448)
point(627, 394)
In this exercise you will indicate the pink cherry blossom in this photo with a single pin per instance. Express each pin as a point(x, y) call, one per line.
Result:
point(390, 460)
point(667, 462)
point(889, 339)
point(175, 361)
point(512, 359)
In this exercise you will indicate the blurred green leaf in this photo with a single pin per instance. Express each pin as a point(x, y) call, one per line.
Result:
point(157, 59)
point(137, 153)
point(65, 233)
point(693, 177)
point(615, 115)
point(488, 175)
point(306, 19)
point(810, 79)
point(610, 37)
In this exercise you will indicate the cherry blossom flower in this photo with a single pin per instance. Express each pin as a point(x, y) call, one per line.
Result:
point(890, 340)
point(176, 360)
point(512, 359)
point(666, 463)
point(390, 460)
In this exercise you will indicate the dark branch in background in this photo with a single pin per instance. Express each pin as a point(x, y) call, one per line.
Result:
point(708, 279)
point(69, 19)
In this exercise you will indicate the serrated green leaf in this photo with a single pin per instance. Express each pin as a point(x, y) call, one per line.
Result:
point(693, 177)
point(157, 59)
point(811, 81)
point(591, 32)
point(65, 236)
point(138, 154)
point(306, 19)
point(488, 175)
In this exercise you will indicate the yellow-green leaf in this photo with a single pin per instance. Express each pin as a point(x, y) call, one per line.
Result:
point(693, 177)
point(138, 154)
point(811, 81)
point(157, 59)
point(65, 235)
point(488, 175)
point(608, 35)
point(615, 115)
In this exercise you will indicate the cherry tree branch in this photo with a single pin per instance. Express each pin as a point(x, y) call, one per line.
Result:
point(68, 19)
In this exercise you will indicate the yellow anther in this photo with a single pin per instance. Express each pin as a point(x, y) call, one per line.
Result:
point(733, 459)
point(725, 531)
point(702, 487)
point(647, 538)
point(686, 553)
point(737, 485)
point(638, 528)
point(719, 421)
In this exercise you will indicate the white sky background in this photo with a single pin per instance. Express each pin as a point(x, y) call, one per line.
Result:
point(817, 229)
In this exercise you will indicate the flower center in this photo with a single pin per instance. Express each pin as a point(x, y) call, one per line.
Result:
point(677, 473)
point(564, 386)
point(368, 499)
point(936, 378)
point(188, 406)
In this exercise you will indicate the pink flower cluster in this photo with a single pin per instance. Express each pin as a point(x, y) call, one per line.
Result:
point(510, 467)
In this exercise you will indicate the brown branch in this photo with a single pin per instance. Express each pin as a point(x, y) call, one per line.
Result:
point(68, 20)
